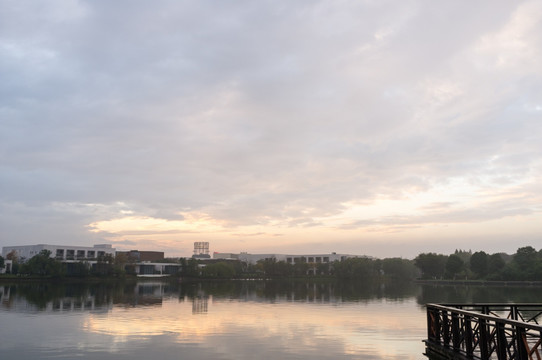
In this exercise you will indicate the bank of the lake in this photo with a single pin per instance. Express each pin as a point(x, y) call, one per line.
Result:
point(480, 282)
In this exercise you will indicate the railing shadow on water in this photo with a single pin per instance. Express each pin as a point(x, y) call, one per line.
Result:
point(484, 331)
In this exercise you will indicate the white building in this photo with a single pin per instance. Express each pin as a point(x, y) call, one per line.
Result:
point(60, 252)
point(290, 259)
point(150, 269)
point(7, 267)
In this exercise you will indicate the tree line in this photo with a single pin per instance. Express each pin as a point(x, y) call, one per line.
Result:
point(351, 268)
point(524, 265)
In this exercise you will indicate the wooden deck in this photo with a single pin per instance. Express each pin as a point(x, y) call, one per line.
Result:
point(484, 331)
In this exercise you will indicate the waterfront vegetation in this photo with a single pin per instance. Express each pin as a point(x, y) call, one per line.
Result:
point(524, 265)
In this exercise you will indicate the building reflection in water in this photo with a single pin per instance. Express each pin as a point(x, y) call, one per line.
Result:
point(51, 297)
point(83, 298)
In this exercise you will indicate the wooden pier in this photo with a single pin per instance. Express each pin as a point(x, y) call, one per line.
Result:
point(484, 331)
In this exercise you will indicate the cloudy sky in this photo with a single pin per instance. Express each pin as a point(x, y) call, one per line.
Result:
point(385, 128)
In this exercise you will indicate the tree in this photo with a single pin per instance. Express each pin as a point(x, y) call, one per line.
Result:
point(398, 268)
point(322, 268)
point(189, 268)
point(120, 262)
point(300, 268)
point(454, 265)
point(1, 262)
point(479, 263)
point(495, 264)
point(12, 255)
point(525, 265)
point(42, 264)
point(355, 268)
point(525, 258)
point(221, 269)
point(464, 255)
point(431, 265)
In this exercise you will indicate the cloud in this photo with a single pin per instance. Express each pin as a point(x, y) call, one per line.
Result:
point(272, 116)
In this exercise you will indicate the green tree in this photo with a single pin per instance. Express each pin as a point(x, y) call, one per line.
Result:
point(464, 255)
point(42, 264)
point(525, 258)
point(223, 269)
point(398, 268)
point(479, 263)
point(495, 264)
point(454, 265)
point(1, 262)
point(431, 265)
point(189, 268)
point(301, 267)
point(77, 269)
point(119, 264)
point(524, 265)
point(322, 268)
point(103, 266)
point(355, 268)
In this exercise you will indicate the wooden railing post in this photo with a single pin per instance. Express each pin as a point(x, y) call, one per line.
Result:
point(445, 328)
point(469, 339)
point(432, 324)
point(484, 339)
point(502, 344)
point(456, 340)
point(521, 347)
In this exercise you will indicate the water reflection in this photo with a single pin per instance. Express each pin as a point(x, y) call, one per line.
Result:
point(93, 297)
point(220, 320)
point(478, 294)
point(227, 319)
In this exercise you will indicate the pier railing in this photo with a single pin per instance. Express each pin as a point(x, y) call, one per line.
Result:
point(484, 331)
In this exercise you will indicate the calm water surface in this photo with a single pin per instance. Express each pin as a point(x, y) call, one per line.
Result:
point(226, 320)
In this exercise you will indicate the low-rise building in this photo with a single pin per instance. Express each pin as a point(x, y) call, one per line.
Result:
point(60, 252)
point(8, 264)
point(137, 256)
point(290, 259)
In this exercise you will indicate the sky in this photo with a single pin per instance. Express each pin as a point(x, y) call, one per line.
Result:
point(382, 128)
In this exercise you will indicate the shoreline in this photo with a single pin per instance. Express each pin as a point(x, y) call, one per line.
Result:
point(480, 282)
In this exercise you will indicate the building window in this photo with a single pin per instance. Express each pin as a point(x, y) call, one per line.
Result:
point(326, 259)
point(80, 254)
point(59, 253)
point(91, 254)
point(319, 259)
point(101, 254)
point(311, 259)
point(289, 260)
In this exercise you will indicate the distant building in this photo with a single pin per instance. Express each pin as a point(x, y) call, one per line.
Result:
point(143, 256)
point(60, 252)
point(156, 269)
point(201, 250)
point(7, 267)
point(225, 256)
point(290, 259)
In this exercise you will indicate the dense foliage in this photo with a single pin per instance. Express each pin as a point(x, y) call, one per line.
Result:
point(44, 265)
point(525, 264)
point(351, 268)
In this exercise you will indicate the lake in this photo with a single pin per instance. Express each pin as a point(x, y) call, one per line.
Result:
point(227, 319)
